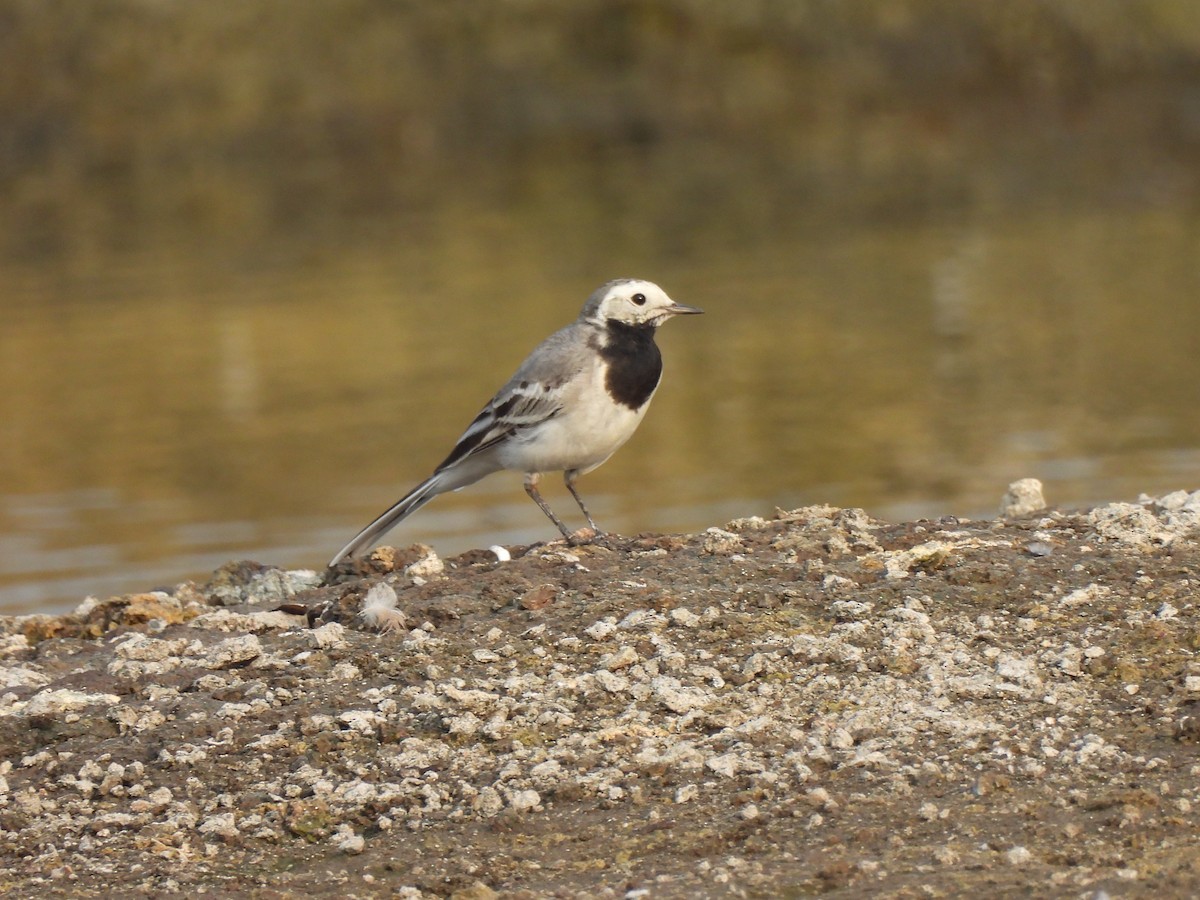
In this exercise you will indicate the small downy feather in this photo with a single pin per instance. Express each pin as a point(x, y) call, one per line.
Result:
point(379, 609)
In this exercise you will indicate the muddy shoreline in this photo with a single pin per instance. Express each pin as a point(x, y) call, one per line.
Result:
point(815, 702)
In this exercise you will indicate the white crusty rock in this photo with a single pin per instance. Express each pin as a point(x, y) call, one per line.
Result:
point(22, 676)
point(221, 825)
point(428, 566)
point(1151, 523)
point(525, 801)
point(330, 636)
point(718, 542)
point(53, 702)
point(1086, 594)
point(1022, 498)
point(626, 656)
point(345, 840)
point(676, 697)
point(1018, 856)
point(930, 555)
point(256, 622)
point(598, 631)
point(268, 586)
point(232, 651)
point(140, 647)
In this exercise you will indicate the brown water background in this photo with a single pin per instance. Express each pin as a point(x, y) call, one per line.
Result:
point(260, 263)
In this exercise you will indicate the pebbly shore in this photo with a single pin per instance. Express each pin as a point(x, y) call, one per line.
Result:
point(814, 701)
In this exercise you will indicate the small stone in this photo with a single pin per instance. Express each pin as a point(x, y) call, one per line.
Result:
point(841, 739)
point(54, 702)
point(726, 764)
point(1087, 594)
point(539, 597)
point(755, 664)
point(822, 799)
point(1018, 856)
point(626, 656)
point(429, 565)
point(686, 793)
point(1172, 501)
point(525, 801)
point(684, 617)
point(945, 856)
point(1070, 660)
point(221, 826)
point(1017, 669)
point(1023, 498)
point(346, 841)
point(345, 671)
point(1135, 525)
point(749, 523)
point(143, 608)
point(718, 542)
point(22, 676)
point(676, 697)
point(833, 585)
point(639, 618)
point(926, 557)
point(600, 630)
point(232, 652)
point(549, 772)
point(614, 684)
point(488, 803)
point(330, 636)
point(362, 721)
point(476, 891)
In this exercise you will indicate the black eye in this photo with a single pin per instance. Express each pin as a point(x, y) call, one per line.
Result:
point(639, 299)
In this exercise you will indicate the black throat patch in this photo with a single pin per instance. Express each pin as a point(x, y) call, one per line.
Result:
point(634, 363)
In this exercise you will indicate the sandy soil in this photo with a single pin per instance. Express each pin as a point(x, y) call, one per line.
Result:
point(812, 703)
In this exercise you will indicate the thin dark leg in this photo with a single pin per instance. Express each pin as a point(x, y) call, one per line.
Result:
point(531, 481)
point(569, 477)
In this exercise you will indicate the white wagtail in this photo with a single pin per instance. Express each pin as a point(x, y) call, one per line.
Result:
point(577, 397)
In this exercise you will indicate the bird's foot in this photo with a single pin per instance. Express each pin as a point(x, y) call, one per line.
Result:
point(592, 538)
point(584, 536)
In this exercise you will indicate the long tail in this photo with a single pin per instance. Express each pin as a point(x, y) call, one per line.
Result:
point(402, 508)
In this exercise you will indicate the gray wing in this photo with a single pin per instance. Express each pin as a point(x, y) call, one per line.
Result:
point(533, 395)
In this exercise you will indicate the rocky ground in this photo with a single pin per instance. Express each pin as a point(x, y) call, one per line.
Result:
point(812, 703)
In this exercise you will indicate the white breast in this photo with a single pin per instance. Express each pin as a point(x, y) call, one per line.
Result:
point(590, 428)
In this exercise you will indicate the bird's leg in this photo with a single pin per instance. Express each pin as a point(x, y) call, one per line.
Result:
point(569, 477)
point(531, 481)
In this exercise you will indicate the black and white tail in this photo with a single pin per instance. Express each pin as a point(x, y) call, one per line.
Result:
point(402, 508)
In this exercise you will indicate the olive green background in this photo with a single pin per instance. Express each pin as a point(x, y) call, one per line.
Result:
point(261, 262)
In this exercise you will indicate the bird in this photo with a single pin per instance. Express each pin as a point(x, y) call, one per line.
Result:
point(571, 404)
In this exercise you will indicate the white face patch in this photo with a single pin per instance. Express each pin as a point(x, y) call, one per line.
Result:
point(635, 303)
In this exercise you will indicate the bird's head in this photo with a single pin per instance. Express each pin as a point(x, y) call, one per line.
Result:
point(631, 301)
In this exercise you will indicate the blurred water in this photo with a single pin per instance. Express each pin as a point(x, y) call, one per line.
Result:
point(907, 308)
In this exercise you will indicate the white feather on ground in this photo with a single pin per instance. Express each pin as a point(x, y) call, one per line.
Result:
point(379, 609)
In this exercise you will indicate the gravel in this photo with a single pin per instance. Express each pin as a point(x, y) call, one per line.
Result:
point(815, 701)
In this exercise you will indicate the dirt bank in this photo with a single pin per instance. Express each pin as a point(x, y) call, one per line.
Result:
point(816, 702)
